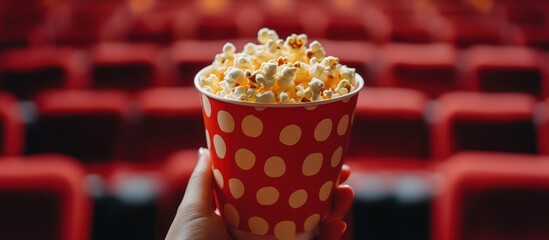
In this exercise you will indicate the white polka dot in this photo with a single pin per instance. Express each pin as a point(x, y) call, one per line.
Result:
point(259, 109)
point(258, 225)
point(310, 108)
point(290, 135)
point(336, 156)
point(346, 100)
point(311, 222)
point(206, 106)
point(274, 167)
point(252, 126)
point(312, 164)
point(297, 198)
point(267, 196)
point(218, 178)
point(225, 121)
point(285, 230)
point(236, 187)
point(207, 139)
point(323, 130)
point(231, 215)
point(219, 145)
point(245, 159)
point(325, 190)
point(342, 125)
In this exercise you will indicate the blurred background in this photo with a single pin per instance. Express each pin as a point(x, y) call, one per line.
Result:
point(99, 122)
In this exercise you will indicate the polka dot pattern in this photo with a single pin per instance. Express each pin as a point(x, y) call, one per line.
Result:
point(218, 178)
point(336, 157)
point(231, 215)
point(220, 147)
point(285, 230)
point(311, 222)
point(323, 130)
point(225, 121)
point(252, 126)
point(325, 190)
point(290, 135)
point(274, 167)
point(343, 125)
point(206, 106)
point(298, 198)
point(258, 225)
point(245, 159)
point(312, 164)
point(267, 196)
point(236, 187)
point(271, 144)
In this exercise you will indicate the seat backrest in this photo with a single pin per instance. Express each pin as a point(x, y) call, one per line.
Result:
point(43, 197)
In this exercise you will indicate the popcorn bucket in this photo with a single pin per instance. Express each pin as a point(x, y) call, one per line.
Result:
point(276, 165)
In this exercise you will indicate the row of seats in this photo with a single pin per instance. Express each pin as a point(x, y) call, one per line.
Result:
point(431, 68)
point(390, 123)
point(463, 23)
point(485, 196)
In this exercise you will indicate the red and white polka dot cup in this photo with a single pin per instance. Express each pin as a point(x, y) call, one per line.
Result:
point(276, 165)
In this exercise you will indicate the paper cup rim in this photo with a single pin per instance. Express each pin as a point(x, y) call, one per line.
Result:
point(358, 79)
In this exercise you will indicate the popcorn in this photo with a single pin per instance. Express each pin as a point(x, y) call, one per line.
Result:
point(278, 71)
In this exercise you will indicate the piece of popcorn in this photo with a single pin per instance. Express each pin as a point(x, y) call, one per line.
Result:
point(265, 77)
point(284, 97)
point(265, 35)
point(243, 63)
point(328, 94)
point(235, 76)
point(267, 97)
point(286, 77)
point(316, 50)
point(344, 87)
point(302, 72)
point(316, 87)
point(240, 93)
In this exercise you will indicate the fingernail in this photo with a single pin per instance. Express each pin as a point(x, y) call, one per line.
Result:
point(201, 152)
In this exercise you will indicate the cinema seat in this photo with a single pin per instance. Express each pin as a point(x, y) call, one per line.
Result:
point(43, 197)
point(504, 69)
point(88, 125)
point(492, 196)
point(430, 68)
point(12, 129)
point(171, 120)
point(27, 72)
point(469, 121)
point(389, 123)
point(176, 171)
point(128, 67)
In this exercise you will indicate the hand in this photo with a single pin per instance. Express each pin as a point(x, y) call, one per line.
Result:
point(196, 220)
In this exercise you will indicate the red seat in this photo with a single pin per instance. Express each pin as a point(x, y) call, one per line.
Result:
point(543, 129)
point(492, 196)
point(190, 56)
point(86, 24)
point(20, 21)
point(88, 125)
point(176, 172)
point(43, 197)
point(429, 68)
point(483, 122)
point(26, 72)
point(155, 25)
point(129, 67)
point(171, 120)
point(12, 129)
point(504, 69)
point(389, 124)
